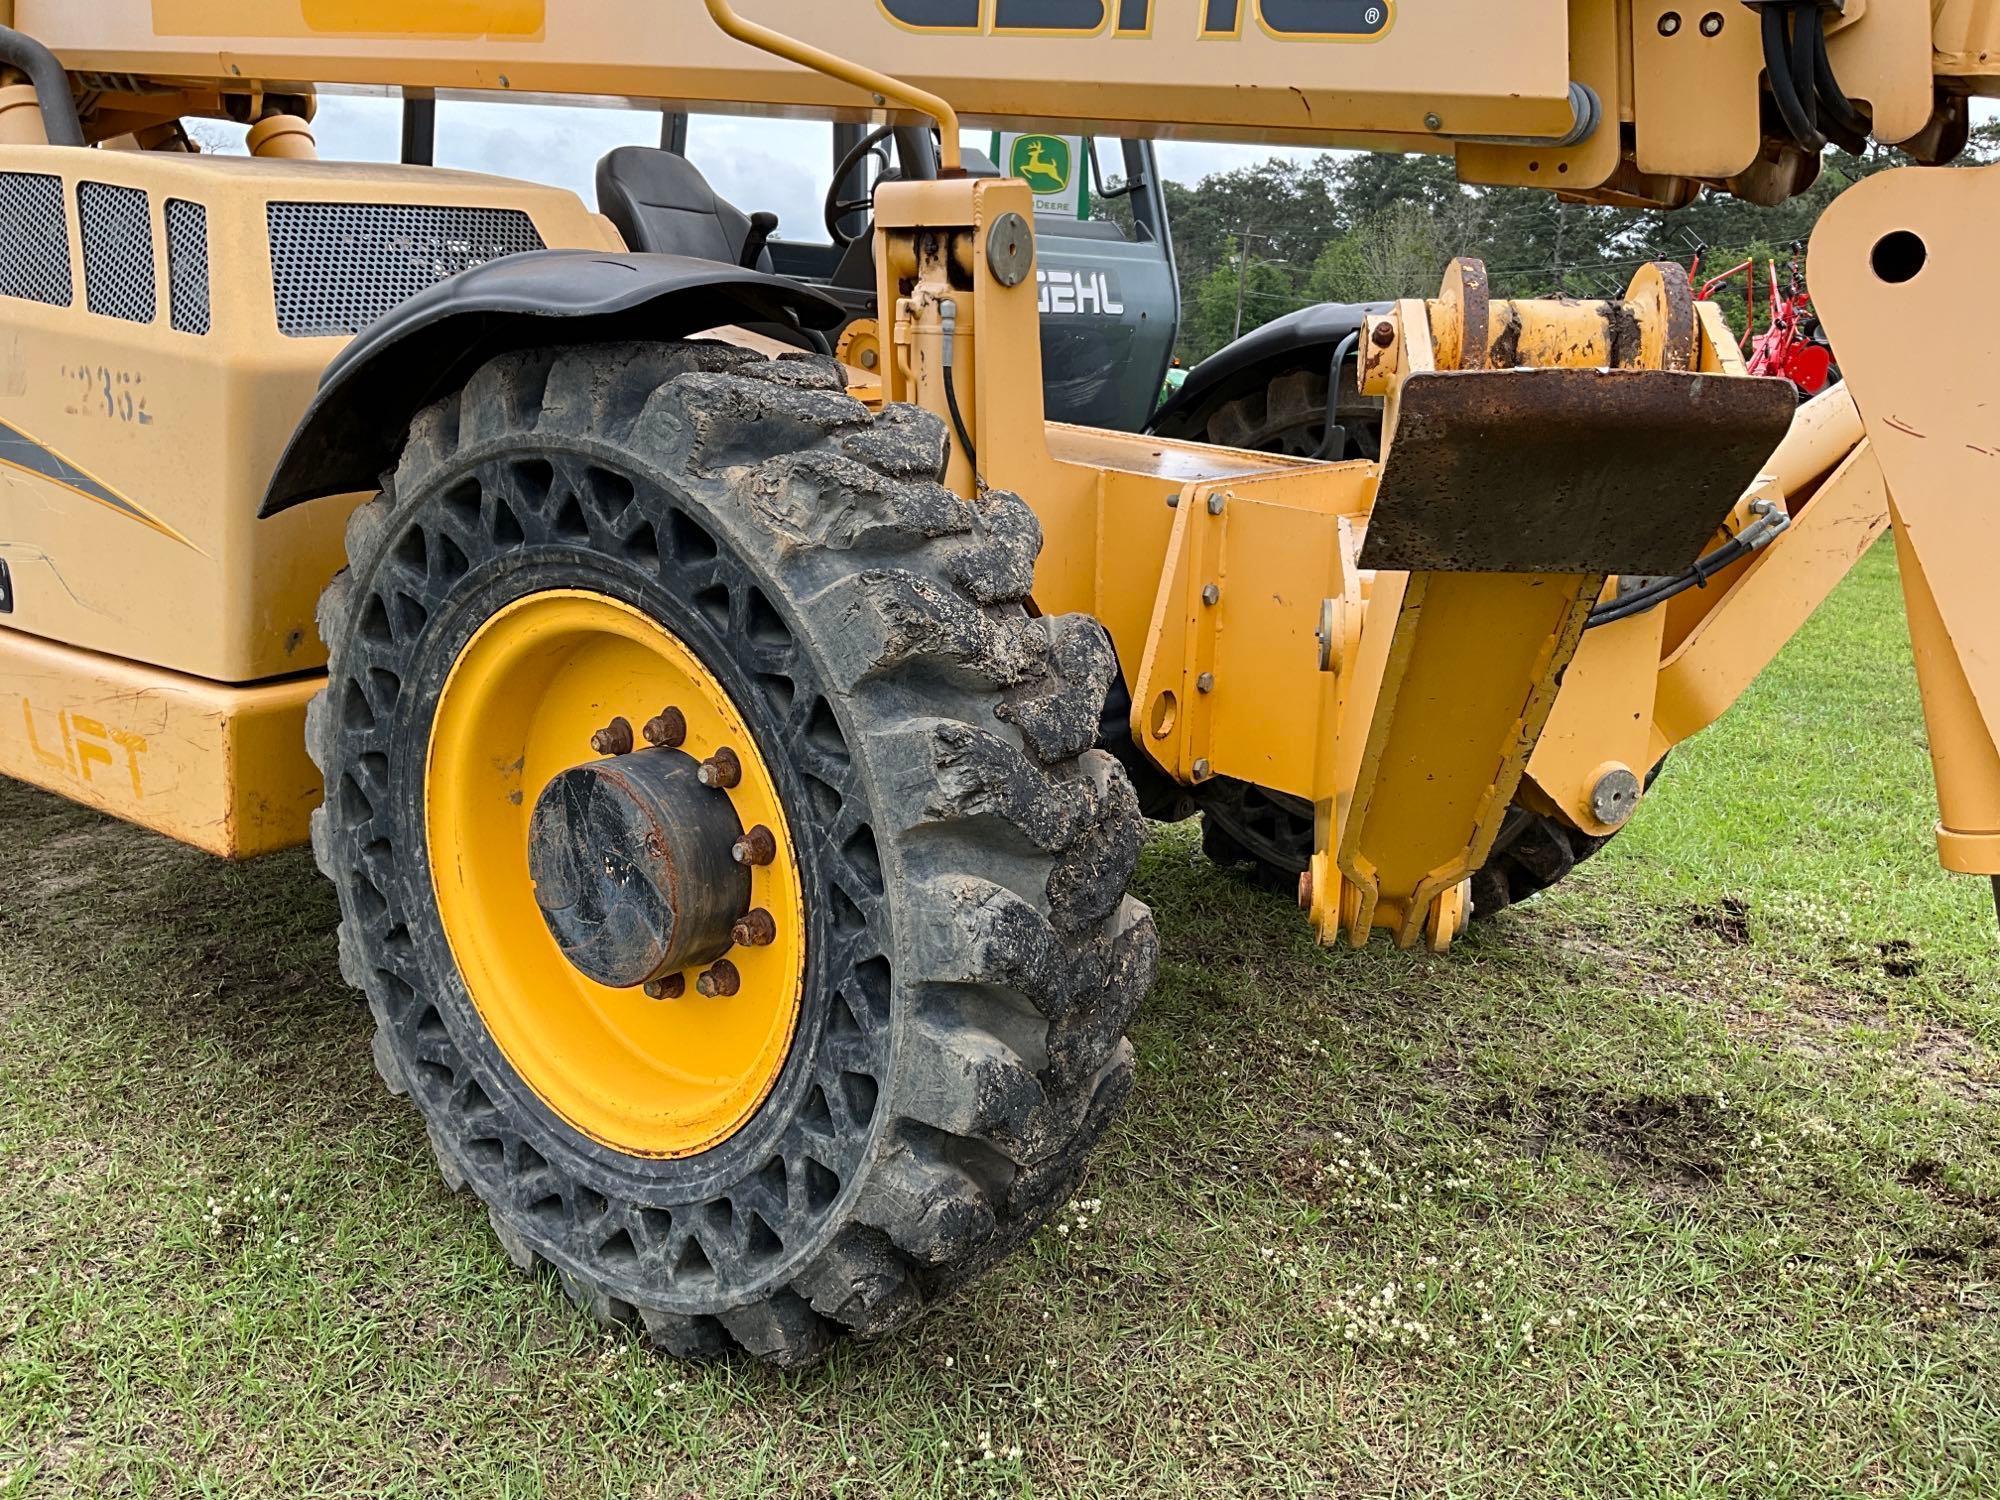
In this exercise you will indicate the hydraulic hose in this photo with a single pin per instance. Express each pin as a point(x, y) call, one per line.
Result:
point(1769, 521)
point(60, 122)
point(1784, 84)
point(1846, 124)
point(1809, 97)
point(1334, 431)
point(948, 319)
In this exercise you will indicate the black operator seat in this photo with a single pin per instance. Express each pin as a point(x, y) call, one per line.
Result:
point(661, 203)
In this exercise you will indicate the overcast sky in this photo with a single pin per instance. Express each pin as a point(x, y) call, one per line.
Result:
point(781, 165)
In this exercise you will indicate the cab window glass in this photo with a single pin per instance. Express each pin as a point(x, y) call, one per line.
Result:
point(774, 166)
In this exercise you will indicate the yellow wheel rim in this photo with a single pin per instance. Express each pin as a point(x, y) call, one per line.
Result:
point(647, 1077)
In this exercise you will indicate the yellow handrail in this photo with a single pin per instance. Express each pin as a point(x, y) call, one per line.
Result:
point(881, 85)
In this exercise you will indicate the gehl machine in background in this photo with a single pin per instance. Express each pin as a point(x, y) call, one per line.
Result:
point(708, 747)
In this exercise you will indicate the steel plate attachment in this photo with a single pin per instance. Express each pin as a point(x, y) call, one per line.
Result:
point(1569, 471)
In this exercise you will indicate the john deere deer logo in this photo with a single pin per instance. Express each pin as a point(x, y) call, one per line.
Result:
point(1043, 162)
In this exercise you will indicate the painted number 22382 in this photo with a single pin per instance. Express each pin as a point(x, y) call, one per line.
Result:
point(1286, 20)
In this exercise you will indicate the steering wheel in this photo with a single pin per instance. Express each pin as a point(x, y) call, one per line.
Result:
point(839, 208)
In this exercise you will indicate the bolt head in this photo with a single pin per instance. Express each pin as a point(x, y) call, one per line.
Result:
point(1211, 595)
point(1711, 24)
point(614, 738)
point(1215, 504)
point(719, 981)
point(721, 770)
point(1432, 122)
point(757, 847)
point(667, 730)
point(1174, 500)
point(1384, 334)
point(1205, 683)
point(1203, 770)
point(1670, 23)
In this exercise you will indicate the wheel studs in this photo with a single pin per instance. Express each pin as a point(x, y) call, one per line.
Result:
point(719, 980)
point(667, 731)
point(757, 847)
point(672, 987)
point(756, 929)
point(721, 770)
point(614, 738)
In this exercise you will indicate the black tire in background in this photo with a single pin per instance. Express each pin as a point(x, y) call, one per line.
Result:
point(1269, 837)
point(973, 957)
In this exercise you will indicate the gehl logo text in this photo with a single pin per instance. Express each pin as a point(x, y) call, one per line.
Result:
point(1286, 20)
point(1089, 292)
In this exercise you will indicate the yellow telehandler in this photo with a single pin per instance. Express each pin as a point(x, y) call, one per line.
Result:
point(725, 701)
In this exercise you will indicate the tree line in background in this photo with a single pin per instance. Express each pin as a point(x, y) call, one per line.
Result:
point(1263, 241)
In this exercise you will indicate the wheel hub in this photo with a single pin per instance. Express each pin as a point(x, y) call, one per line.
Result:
point(632, 864)
point(628, 915)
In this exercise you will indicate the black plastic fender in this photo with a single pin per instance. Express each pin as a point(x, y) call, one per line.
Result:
point(399, 364)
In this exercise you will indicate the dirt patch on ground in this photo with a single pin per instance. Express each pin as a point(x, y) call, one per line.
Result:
point(1683, 1139)
point(1728, 919)
point(1843, 1027)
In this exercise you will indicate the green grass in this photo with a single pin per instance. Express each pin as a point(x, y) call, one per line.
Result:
point(1686, 1180)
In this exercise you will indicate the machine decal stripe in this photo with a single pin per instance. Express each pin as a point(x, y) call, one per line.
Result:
point(19, 451)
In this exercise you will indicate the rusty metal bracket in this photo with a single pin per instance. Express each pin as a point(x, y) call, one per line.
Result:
point(1569, 471)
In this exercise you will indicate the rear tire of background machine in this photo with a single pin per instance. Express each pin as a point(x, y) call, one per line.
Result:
point(1269, 835)
point(971, 956)
point(1285, 413)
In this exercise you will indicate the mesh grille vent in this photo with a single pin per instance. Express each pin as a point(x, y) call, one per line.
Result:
point(117, 228)
point(337, 267)
point(34, 239)
point(187, 265)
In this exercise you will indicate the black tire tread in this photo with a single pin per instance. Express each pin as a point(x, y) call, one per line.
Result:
point(1017, 957)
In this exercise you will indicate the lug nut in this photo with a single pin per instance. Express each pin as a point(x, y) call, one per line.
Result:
point(721, 770)
point(757, 929)
point(672, 987)
point(719, 980)
point(614, 738)
point(668, 730)
point(757, 847)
